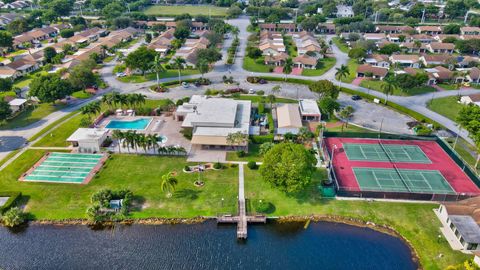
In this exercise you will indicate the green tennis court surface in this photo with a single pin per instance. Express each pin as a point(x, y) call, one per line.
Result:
point(64, 168)
point(401, 180)
point(385, 152)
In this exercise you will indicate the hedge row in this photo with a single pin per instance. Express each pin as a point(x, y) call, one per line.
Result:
point(14, 196)
point(174, 82)
point(259, 139)
point(418, 116)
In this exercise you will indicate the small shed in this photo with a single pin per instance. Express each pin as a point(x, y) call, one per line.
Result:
point(17, 104)
point(88, 140)
point(288, 119)
point(309, 110)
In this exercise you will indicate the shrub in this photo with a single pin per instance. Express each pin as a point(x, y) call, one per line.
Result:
point(233, 165)
point(261, 108)
point(187, 133)
point(13, 217)
point(186, 168)
point(264, 207)
point(252, 165)
point(260, 93)
point(85, 122)
point(262, 138)
point(241, 153)
point(217, 165)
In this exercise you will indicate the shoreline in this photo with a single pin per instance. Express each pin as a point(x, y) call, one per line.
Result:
point(382, 228)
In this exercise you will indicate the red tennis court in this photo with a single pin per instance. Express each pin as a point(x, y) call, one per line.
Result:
point(352, 156)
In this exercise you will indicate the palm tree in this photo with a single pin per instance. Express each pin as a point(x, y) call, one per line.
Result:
point(179, 64)
point(152, 141)
point(346, 114)
point(91, 108)
point(271, 99)
point(119, 136)
point(276, 89)
point(235, 31)
point(388, 87)
point(202, 66)
point(236, 138)
point(158, 67)
point(168, 184)
point(104, 49)
point(287, 67)
point(342, 72)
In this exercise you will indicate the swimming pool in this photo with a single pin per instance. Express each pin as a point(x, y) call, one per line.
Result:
point(138, 124)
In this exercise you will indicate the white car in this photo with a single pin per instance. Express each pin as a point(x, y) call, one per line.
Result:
point(120, 74)
point(251, 91)
point(185, 85)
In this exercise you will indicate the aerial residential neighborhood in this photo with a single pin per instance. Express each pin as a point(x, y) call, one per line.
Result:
point(240, 134)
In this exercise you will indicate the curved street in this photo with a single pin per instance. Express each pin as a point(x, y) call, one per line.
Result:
point(15, 138)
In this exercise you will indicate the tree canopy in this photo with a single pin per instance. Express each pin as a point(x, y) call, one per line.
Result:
point(469, 119)
point(140, 59)
point(49, 88)
point(288, 166)
point(324, 88)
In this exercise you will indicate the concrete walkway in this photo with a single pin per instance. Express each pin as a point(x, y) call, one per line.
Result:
point(242, 212)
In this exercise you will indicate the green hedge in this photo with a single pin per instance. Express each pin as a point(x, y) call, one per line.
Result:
point(289, 80)
point(259, 139)
point(271, 124)
point(174, 82)
point(14, 196)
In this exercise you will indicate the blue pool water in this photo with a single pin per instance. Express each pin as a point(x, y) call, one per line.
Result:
point(134, 124)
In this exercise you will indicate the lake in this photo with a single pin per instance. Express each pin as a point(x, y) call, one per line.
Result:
point(323, 245)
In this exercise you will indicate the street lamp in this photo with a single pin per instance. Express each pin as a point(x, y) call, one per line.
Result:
point(333, 154)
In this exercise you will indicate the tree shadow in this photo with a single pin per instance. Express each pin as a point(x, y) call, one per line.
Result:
point(137, 203)
point(187, 193)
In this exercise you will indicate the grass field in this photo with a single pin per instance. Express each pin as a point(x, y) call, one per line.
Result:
point(253, 154)
point(193, 10)
point(352, 68)
point(328, 63)
point(416, 222)
point(171, 73)
point(377, 86)
point(81, 94)
point(342, 46)
point(32, 115)
point(446, 106)
point(141, 174)
point(255, 65)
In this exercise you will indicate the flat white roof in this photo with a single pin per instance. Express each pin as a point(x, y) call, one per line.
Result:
point(309, 107)
point(82, 134)
point(17, 102)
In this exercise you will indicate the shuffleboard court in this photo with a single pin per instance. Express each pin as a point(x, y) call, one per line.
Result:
point(385, 153)
point(64, 168)
point(402, 180)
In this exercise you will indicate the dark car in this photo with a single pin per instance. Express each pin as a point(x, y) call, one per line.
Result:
point(356, 97)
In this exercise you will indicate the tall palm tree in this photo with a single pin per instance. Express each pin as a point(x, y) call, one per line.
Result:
point(168, 184)
point(152, 141)
point(271, 99)
point(287, 67)
point(342, 72)
point(388, 87)
point(104, 49)
point(119, 136)
point(179, 64)
point(158, 67)
point(346, 114)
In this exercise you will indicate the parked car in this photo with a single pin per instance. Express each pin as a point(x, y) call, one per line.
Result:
point(356, 97)
point(185, 85)
point(120, 74)
point(251, 91)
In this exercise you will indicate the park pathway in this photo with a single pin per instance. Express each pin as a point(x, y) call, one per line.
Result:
point(242, 212)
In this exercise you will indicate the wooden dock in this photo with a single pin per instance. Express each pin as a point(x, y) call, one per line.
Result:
point(241, 219)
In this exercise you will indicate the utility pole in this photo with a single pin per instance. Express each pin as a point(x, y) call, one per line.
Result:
point(423, 16)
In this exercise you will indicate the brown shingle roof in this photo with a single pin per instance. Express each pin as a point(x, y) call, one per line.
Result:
point(377, 71)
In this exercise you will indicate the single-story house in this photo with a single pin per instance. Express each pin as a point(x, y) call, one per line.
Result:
point(406, 60)
point(213, 119)
point(470, 30)
point(17, 104)
point(435, 59)
point(460, 223)
point(471, 99)
point(429, 29)
point(276, 60)
point(474, 76)
point(88, 140)
point(439, 47)
point(305, 61)
point(377, 60)
point(288, 119)
point(309, 110)
point(374, 72)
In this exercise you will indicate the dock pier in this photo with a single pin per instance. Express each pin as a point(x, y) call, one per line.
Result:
point(241, 219)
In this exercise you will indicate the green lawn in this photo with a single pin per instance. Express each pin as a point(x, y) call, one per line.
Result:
point(7, 94)
point(170, 73)
point(328, 63)
point(377, 86)
point(32, 115)
point(349, 128)
point(257, 99)
point(448, 86)
point(253, 154)
point(352, 68)
point(255, 65)
point(342, 46)
point(193, 10)
point(141, 174)
point(25, 80)
point(446, 106)
point(81, 94)
point(416, 222)
point(57, 138)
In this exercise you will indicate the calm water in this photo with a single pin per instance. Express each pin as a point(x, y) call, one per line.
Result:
point(202, 246)
point(134, 124)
